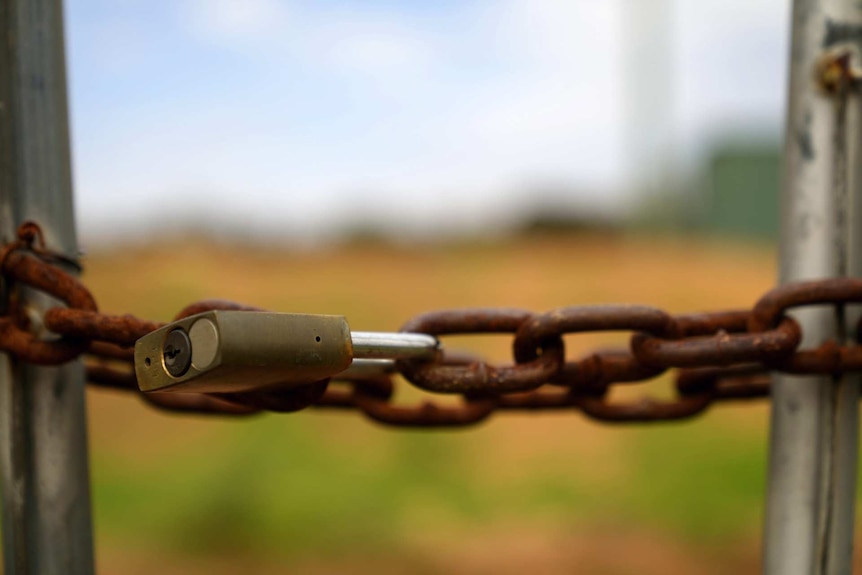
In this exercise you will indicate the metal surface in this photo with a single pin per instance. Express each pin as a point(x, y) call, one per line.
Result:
point(380, 345)
point(725, 355)
point(843, 516)
point(242, 351)
point(814, 425)
point(43, 445)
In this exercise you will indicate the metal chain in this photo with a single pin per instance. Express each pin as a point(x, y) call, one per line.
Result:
point(719, 356)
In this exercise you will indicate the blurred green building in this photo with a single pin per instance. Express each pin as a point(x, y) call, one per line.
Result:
point(740, 191)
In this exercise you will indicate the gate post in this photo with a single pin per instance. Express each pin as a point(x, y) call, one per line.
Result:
point(815, 419)
point(43, 440)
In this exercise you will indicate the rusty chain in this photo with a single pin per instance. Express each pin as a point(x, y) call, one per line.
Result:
point(719, 356)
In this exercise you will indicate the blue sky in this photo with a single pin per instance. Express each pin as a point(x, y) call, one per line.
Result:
point(297, 117)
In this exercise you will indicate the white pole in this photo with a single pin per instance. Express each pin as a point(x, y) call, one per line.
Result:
point(814, 427)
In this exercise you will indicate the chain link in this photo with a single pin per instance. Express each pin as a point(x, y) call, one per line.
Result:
point(719, 356)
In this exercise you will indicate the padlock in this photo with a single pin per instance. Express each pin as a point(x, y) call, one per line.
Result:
point(232, 351)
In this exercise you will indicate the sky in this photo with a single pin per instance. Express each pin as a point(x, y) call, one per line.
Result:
point(301, 118)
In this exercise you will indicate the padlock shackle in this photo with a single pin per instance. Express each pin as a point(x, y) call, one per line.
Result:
point(381, 345)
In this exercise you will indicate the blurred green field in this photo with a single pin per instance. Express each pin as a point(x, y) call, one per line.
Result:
point(319, 492)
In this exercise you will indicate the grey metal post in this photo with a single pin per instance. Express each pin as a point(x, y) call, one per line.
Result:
point(815, 420)
point(43, 441)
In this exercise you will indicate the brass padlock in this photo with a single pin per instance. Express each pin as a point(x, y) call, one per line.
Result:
point(231, 351)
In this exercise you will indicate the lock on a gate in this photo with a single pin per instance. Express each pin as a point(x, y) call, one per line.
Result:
point(232, 351)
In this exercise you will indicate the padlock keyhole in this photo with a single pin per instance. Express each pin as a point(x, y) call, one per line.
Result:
point(177, 352)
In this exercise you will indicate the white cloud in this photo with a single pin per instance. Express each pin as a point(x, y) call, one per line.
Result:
point(237, 21)
point(377, 45)
point(376, 50)
point(560, 32)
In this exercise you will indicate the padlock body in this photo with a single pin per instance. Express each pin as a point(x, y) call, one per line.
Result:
point(231, 351)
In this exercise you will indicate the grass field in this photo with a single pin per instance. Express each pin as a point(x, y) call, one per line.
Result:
point(322, 492)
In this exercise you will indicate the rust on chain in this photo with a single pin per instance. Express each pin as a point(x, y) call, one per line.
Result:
point(124, 379)
point(29, 238)
point(105, 350)
point(28, 270)
point(479, 376)
point(724, 356)
point(829, 357)
point(373, 397)
point(747, 381)
point(721, 347)
point(121, 330)
point(102, 375)
point(771, 307)
point(549, 327)
point(593, 372)
point(379, 387)
point(426, 414)
point(23, 269)
point(646, 409)
point(539, 400)
point(602, 369)
point(709, 323)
